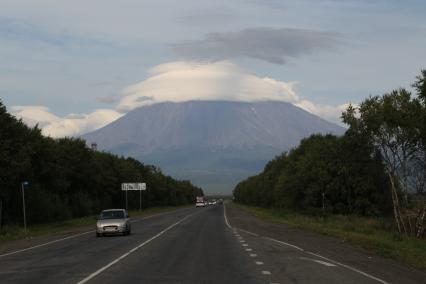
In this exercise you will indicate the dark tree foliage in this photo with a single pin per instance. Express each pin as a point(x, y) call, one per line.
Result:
point(381, 156)
point(67, 179)
point(395, 123)
point(420, 85)
point(340, 175)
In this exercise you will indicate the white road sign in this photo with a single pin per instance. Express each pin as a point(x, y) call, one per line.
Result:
point(133, 186)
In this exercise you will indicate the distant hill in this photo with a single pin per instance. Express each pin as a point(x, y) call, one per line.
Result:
point(215, 144)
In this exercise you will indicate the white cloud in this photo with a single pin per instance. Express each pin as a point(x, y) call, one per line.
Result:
point(331, 113)
point(178, 82)
point(71, 125)
point(184, 81)
point(33, 115)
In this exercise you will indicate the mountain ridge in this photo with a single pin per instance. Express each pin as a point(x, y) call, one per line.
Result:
point(209, 135)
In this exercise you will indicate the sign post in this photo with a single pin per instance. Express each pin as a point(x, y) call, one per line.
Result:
point(134, 186)
point(23, 184)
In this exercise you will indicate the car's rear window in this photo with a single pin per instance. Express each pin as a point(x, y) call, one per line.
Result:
point(119, 214)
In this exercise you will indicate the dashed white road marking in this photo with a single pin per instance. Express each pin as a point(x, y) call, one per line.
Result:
point(318, 261)
point(242, 241)
point(131, 251)
point(245, 245)
point(266, 272)
point(248, 249)
point(259, 262)
point(308, 252)
point(253, 255)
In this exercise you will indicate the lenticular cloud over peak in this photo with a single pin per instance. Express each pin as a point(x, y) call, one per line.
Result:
point(186, 81)
point(178, 81)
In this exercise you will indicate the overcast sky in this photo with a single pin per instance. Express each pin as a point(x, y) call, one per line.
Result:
point(74, 66)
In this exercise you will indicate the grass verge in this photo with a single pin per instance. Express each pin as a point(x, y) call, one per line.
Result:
point(368, 233)
point(11, 233)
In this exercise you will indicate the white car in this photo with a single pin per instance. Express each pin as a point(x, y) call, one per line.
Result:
point(113, 221)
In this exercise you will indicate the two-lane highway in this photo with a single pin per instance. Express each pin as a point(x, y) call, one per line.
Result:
point(186, 246)
point(201, 249)
point(193, 245)
point(70, 260)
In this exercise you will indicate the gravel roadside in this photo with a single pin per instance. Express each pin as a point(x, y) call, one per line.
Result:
point(333, 248)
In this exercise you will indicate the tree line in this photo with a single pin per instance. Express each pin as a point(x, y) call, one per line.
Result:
point(377, 168)
point(66, 179)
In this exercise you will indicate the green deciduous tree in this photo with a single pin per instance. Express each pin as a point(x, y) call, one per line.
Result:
point(395, 124)
point(342, 175)
point(67, 179)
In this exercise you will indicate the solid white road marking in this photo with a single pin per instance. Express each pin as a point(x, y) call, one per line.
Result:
point(226, 219)
point(311, 253)
point(266, 272)
point(79, 235)
point(131, 251)
point(318, 261)
point(284, 243)
point(325, 263)
point(250, 233)
point(259, 262)
point(155, 215)
point(350, 268)
point(45, 244)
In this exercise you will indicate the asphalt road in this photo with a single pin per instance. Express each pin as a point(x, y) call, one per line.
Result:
point(195, 245)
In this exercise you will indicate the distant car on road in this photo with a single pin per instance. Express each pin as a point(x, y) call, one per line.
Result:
point(113, 221)
point(200, 202)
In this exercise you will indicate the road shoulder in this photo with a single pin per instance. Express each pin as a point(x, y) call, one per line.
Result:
point(332, 248)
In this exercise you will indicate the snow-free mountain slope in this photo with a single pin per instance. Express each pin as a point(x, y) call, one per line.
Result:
point(213, 143)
